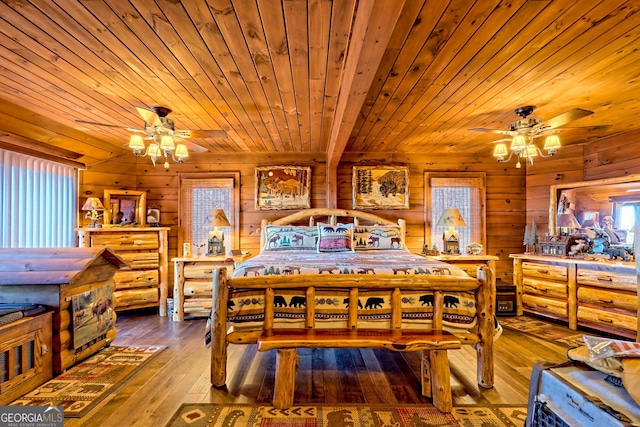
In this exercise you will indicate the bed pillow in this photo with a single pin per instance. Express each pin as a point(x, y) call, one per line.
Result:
point(290, 237)
point(335, 238)
point(377, 237)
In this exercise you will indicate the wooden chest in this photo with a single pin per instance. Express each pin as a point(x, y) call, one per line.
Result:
point(53, 278)
point(25, 356)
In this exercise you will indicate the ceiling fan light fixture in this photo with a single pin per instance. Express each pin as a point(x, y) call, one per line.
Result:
point(500, 152)
point(166, 143)
point(551, 144)
point(136, 143)
point(181, 153)
point(518, 143)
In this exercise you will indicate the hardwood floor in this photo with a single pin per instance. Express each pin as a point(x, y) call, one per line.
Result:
point(180, 374)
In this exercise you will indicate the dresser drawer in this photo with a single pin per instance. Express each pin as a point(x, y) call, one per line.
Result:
point(544, 288)
point(141, 259)
point(552, 272)
point(126, 279)
point(607, 279)
point(136, 297)
point(545, 305)
point(608, 299)
point(607, 319)
point(201, 270)
point(126, 241)
point(198, 287)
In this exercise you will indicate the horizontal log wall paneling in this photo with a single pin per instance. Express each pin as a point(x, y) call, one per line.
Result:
point(506, 203)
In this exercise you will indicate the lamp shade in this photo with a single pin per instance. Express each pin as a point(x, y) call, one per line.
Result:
point(500, 150)
point(93, 204)
point(218, 219)
point(518, 143)
point(552, 143)
point(567, 220)
point(451, 217)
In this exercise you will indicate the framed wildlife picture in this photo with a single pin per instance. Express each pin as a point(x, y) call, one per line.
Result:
point(380, 187)
point(283, 187)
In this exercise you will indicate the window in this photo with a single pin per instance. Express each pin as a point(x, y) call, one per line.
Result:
point(38, 202)
point(199, 195)
point(465, 191)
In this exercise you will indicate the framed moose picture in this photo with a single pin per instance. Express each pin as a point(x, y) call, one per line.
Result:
point(283, 187)
point(380, 187)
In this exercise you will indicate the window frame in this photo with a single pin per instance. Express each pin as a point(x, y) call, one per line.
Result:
point(234, 177)
point(428, 213)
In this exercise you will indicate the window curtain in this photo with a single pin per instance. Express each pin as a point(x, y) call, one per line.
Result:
point(38, 202)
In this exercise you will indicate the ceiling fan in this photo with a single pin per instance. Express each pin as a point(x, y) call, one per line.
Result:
point(157, 124)
point(522, 132)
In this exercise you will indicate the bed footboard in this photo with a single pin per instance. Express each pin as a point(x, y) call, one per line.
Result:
point(481, 336)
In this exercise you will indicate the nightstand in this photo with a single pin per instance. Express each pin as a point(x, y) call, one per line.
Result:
point(192, 286)
point(505, 295)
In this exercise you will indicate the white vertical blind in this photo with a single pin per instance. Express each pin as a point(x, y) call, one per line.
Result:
point(38, 202)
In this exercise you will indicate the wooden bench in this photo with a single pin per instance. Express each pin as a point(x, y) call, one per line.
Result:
point(433, 344)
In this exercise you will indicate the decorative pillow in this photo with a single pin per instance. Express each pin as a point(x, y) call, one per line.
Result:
point(377, 237)
point(290, 237)
point(335, 238)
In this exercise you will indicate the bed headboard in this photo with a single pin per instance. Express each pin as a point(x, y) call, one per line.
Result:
point(333, 216)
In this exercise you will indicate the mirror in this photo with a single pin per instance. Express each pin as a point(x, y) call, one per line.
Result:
point(603, 201)
point(125, 207)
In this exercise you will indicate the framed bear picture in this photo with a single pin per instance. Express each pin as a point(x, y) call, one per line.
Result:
point(380, 187)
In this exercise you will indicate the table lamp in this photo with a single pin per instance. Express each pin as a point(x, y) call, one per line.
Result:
point(92, 206)
point(216, 237)
point(451, 217)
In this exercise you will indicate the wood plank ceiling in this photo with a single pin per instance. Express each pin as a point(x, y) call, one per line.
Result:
point(322, 76)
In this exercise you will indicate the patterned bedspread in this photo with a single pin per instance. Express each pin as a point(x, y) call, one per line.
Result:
point(246, 307)
point(359, 262)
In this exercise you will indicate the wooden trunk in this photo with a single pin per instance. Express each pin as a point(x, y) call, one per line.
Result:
point(52, 277)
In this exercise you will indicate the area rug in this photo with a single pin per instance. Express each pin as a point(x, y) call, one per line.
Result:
point(212, 415)
point(86, 384)
point(545, 330)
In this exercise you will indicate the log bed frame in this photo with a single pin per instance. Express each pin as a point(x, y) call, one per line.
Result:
point(434, 343)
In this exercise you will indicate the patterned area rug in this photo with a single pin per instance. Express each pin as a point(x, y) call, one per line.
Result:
point(545, 330)
point(83, 386)
point(212, 415)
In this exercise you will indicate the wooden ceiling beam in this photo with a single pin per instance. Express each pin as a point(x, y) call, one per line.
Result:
point(372, 30)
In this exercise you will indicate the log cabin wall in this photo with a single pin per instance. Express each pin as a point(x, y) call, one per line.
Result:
point(505, 197)
point(611, 157)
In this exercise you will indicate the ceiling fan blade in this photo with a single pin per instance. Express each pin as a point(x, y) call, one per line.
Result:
point(191, 146)
point(502, 132)
point(149, 117)
point(564, 118)
point(197, 133)
point(596, 128)
point(86, 122)
point(469, 147)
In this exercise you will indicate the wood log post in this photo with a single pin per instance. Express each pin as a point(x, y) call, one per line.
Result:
point(425, 374)
point(486, 296)
point(219, 328)
point(440, 380)
point(287, 361)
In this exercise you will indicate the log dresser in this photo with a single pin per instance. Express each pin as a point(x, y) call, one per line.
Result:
point(145, 250)
point(592, 294)
point(64, 280)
